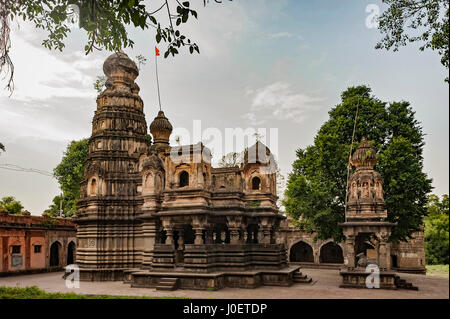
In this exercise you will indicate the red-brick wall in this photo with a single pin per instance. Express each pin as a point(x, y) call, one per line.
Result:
point(29, 232)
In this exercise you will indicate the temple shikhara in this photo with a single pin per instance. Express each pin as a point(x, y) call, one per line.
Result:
point(156, 215)
point(161, 216)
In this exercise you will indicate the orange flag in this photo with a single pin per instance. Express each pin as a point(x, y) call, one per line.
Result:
point(156, 51)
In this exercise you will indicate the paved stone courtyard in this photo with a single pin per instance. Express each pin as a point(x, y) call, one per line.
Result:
point(325, 286)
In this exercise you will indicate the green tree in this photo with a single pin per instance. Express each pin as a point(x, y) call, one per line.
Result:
point(104, 21)
point(12, 205)
point(231, 159)
point(69, 174)
point(2, 147)
point(315, 194)
point(99, 83)
point(437, 230)
point(422, 21)
point(141, 60)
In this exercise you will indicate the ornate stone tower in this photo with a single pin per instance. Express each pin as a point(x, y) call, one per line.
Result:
point(108, 204)
point(365, 218)
point(365, 195)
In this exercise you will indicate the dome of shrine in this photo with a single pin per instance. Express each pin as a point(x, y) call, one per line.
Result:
point(258, 153)
point(119, 66)
point(365, 155)
point(161, 128)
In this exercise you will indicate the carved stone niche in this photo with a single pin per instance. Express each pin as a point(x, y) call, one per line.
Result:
point(152, 175)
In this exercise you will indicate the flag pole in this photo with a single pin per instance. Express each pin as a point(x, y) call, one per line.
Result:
point(157, 80)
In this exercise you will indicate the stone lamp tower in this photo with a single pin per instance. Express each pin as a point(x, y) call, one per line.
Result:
point(365, 216)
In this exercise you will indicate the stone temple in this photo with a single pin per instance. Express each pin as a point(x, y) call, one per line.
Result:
point(365, 221)
point(155, 215)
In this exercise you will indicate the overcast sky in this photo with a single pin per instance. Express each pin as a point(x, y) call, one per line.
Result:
point(263, 64)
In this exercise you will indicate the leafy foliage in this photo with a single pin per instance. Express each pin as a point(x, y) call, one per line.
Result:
point(69, 174)
point(99, 83)
point(104, 21)
point(141, 60)
point(12, 205)
point(437, 231)
point(2, 147)
point(231, 159)
point(422, 21)
point(315, 195)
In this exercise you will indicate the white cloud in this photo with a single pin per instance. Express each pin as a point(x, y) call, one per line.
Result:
point(38, 71)
point(278, 101)
point(280, 35)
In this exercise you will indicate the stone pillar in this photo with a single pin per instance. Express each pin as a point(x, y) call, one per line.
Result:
point(180, 239)
point(209, 237)
point(245, 236)
point(223, 236)
point(264, 236)
point(382, 255)
point(316, 254)
point(234, 235)
point(265, 224)
point(198, 236)
point(169, 235)
point(199, 224)
point(234, 224)
point(383, 250)
point(350, 251)
point(148, 242)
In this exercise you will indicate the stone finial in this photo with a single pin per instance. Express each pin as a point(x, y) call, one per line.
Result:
point(365, 155)
point(119, 68)
point(161, 129)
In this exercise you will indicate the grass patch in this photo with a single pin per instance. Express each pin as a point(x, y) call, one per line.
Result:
point(34, 292)
point(437, 270)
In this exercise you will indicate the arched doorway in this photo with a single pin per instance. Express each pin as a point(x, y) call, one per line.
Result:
point(331, 253)
point(301, 252)
point(55, 251)
point(184, 179)
point(256, 183)
point(71, 253)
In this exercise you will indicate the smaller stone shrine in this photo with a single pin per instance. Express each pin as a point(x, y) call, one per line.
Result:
point(365, 221)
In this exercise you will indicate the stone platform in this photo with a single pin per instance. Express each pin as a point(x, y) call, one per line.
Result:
point(215, 280)
point(388, 280)
point(357, 279)
point(103, 274)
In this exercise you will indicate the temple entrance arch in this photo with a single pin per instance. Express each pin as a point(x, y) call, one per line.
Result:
point(301, 252)
point(55, 251)
point(331, 253)
point(71, 253)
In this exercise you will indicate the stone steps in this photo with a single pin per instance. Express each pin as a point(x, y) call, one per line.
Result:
point(167, 284)
point(403, 284)
point(301, 278)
